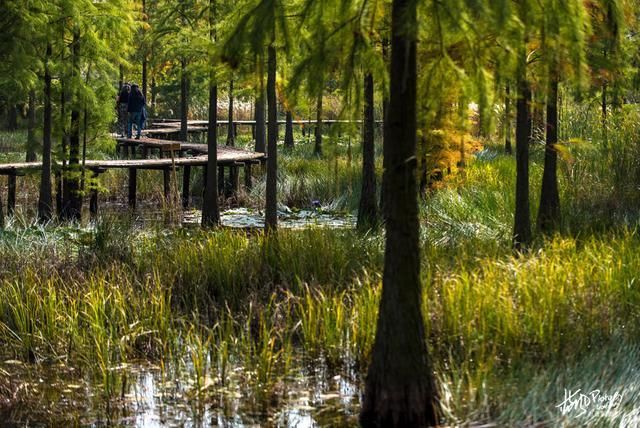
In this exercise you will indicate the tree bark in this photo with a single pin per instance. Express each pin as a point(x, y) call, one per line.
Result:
point(259, 113)
point(72, 207)
point(549, 210)
point(400, 389)
point(288, 130)
point(32, 142)
point(154, 92)
point(210, 209)
point(317, 150)
point(62, 192)
point(603, 107)
point(144, 76)
point(144, 54)
point(184, 101)
point(271, 209)
point(522, 223)
point(368, 210)
point(507, 121)
point(45, 202)
point(12, 117)
point(231, 136)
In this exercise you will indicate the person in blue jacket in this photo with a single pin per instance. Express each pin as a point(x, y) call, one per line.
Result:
point(135, 109)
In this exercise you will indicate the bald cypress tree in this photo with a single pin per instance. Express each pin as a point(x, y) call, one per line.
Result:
point(210, 209)
point(400, 390)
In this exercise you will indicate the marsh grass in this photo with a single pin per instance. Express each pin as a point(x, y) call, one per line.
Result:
point(237, 311)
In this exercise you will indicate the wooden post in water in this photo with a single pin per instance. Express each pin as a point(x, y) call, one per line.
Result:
point(186, 176)
point(133, 183)
point(11, 195)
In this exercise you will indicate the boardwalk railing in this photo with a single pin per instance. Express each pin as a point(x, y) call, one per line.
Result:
point(173, 155)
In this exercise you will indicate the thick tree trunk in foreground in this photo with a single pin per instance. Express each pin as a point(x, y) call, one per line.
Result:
point(400, 390)
point(72, 206)
point(507, 121)
point(231, 135)
point(184, 101)
point(317, 150)
point(288, 130)
point(32, 142)
point(45, 201)
point(368, 210)
point(210, 209)
point(522, 224)
point(271, 210)
point(549, 211)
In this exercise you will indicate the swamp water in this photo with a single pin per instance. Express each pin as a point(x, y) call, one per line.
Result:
point(58, 395)
point(303, 392)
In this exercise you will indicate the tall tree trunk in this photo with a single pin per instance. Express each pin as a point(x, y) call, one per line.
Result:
point(549, 210)
point(385, 106)
point(271, 209)
point(605, 137)
point(144, 76)
point(45, 202)
point(210, 209)
point(231, 136)
point(154, 92)
point(144, 54)
point(85, 131)
point(62, 191)
point(73, 205)
point(184, 101)
point(317, 150)
point(522, 224)
point(259, 113)
point(368, 210)
point(400, 389)
point(288, 130)
point(32, 142)
point(12, 117)
point(507, 121)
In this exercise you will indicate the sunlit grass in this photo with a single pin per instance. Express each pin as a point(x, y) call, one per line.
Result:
point(235, 309)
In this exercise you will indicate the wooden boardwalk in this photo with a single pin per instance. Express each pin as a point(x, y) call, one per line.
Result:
point(173, 123)
point(173, 155)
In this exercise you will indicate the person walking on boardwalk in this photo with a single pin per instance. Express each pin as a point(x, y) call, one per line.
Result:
point(122, 102)
point(135, 108)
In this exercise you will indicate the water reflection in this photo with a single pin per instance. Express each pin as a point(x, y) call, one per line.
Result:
point(287, 218)
point(54, 396)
